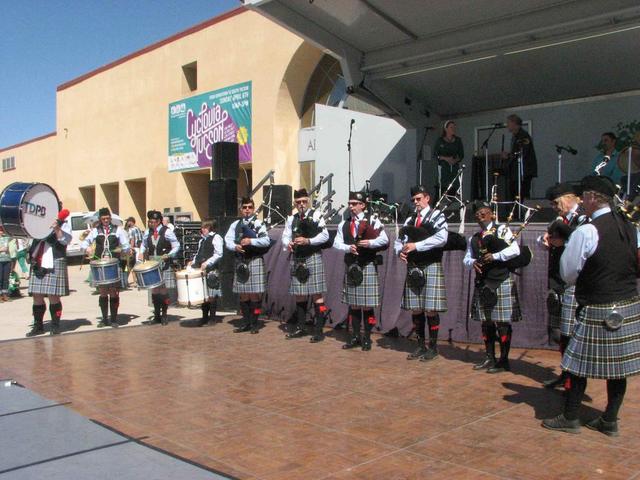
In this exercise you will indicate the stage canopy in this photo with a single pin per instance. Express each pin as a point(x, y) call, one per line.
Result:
point(417, 57)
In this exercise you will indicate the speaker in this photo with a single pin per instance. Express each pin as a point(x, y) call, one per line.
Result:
point(223, 197)
point(229, 300)
point(281, 202)
point(225, 160)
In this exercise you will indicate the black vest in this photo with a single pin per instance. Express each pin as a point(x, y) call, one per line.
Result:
point(609, 275)
point(112, 237)
point(58, 249)
point(306, 228)
point(495, 271)
point(163, 247)
point(205, 250)
point(428, 257)
point(365, 255)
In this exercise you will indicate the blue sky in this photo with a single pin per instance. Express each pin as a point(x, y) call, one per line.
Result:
point(48, 42)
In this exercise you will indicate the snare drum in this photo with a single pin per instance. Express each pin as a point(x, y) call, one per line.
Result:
point(105, 271)
point(148, 274)
point(27, 210)
point(192, 287)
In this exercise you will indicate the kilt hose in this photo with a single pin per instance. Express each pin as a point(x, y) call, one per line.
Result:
point(54, 282)
point(595, 352)
point(507, 310)
point(433, 294)
point(316, 283)
point(367, 294)
point(257, 282)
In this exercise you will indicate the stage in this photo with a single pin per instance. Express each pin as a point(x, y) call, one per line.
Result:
point(262, 407)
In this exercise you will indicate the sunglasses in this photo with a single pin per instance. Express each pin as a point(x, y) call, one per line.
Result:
point(353, 204)
point(246, 207)
point(302, 201)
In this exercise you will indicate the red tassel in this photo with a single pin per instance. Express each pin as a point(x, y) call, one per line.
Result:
point(503, 339)
point(59, 313)
point(434, 328)
point(166, 301)
point(257, 311)
point(372, 320)
point(323, 308)
point(484, 338)
point(567, 383)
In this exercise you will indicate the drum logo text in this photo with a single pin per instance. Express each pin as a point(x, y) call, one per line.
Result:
point(34, 209)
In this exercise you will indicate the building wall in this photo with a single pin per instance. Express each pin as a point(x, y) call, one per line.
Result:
point(113, 126)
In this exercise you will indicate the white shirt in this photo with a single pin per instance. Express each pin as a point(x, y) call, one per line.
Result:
point(123, 239)
point(503, 232)
point(262, 240)
point(168, 235)
point(439, 239)
point(47, 252)
point(319, 239)
point(217, 249)
point(380, 241)
point(582, 244)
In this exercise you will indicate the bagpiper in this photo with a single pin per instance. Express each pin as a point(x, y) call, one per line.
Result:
point(159, 243)
point(248, 238)
point(601, 260)
point(361, 237)
point(495, 297)
point(110, 242)
point(304, 235)
point(561, 301)
point(207, 259)
point(419, 245)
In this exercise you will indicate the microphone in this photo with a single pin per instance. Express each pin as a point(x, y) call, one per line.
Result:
point(571, 150)
point(62, 216)
point(353, 120)
point(497, 125)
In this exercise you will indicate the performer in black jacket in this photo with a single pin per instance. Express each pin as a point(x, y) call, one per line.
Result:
point(161, 244)
point(495, 298)
point(601, 259)
point(304, 235)
point(561, 302)
point(521, 146)
point(49, 276)
point(207, 259)
point(420, 246)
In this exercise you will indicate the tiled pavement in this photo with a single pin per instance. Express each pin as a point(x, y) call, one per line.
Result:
point(259, 406)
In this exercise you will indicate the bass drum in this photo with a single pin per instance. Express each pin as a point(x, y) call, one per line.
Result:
point(27, 210)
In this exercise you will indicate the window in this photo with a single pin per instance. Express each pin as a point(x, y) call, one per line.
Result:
point(8, 163)
point(190, 72)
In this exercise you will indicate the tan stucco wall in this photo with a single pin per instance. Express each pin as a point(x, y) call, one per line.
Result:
point(35, 162)
point(113, 127)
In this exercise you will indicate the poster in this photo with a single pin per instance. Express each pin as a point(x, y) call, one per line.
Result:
point(196, 123)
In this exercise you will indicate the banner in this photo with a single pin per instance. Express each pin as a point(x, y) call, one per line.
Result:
point(196, 123)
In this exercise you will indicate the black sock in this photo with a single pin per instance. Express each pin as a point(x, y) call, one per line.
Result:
point(356, 318)
point(114, 303)
point(213, 307)
point(205, 311)
point(256, 310)
point(301, 314)
point(420, 322)
point(164, 303)
point(434, 329)
point(38, 315)
point(504, 332)
point(320, 310)
point(574, 398)
point(369, 322)
point(489, 336)
point(616, 388)
point(104, 306)
point(245, 308)
point(56, 312)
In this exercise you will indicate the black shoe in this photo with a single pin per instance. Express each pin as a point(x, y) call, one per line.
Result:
point(488, 362)
point(499, 367)
point(418, 352)
point(245, 327)
point(114, 323)
point(602, 426)
point(297, 333)
point(316, 339)
point(39, 330)
point(154, 321)
point(203, 322)
point(255, 330)
point(55, 330)
point(102, 323)
point(165, 320)
point(366, 345)
point(554, 383)
point(353, 343)
point(429, 355)
point(561, 424)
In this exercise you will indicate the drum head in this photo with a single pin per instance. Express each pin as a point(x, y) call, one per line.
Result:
point(104, 262)
point(623, 160)
point(144, 266)
point(39, 209)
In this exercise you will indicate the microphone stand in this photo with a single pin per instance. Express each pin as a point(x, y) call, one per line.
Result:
point(349, 150)
point(559, 150)
point(485, 146)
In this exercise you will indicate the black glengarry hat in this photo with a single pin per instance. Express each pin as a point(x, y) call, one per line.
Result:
point(601, 185)
point(480, 204)
point(558, 190)
point(359, 196)
point(302, 193)
point(104, 211)
point(419, 189)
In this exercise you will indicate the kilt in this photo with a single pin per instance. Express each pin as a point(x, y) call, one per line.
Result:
point(568, 314)
point(595, 352)
point(52, 283)
point(211, 292)
point(168, 279)
point(367, 294)
point(316, 283)
point(432, 296)
point(506, 310)
point(117, 284)
point(257, 282)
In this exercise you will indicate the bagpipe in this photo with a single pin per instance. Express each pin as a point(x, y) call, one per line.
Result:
point(249, 231)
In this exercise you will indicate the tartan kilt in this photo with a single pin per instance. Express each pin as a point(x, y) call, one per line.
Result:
point(316, 283)
point(168, 279)
point(507, 309)
point(257, 282)
point(568, 314)
point(367, 294)
point(595, 352)
point(52, 283)
point(432, 296)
